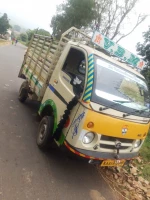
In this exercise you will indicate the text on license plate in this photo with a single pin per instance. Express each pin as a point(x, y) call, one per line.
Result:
point(119, 163)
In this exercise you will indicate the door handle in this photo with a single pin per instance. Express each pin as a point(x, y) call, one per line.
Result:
point(55, 82)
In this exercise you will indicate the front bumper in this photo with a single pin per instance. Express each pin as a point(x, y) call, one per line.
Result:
point(94, 155)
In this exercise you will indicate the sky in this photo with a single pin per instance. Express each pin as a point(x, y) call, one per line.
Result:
point(38, 13)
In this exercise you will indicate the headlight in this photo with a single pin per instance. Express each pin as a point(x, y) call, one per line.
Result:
point(137, 143)
point(88, 138)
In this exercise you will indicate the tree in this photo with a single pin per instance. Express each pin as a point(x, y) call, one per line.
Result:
point(143, 49)
point(43, 32)
point(29, 34)
point(108, 16)
point(111, 15)
point(78, 13)
point(36, 31)
point(4, 24)
point(17, 28)
point(23, 37)
point(13, 35)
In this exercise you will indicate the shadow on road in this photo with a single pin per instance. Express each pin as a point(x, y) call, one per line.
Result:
point(74, 174)
point(77, 175)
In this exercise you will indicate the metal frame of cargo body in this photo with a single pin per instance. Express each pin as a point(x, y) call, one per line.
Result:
point(42, 56)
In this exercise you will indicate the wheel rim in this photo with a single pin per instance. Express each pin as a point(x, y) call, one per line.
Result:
point(42, 132)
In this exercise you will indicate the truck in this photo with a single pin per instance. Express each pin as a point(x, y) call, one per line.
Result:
point(93, 99)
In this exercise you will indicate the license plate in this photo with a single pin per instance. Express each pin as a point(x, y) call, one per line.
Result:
point(118, 163)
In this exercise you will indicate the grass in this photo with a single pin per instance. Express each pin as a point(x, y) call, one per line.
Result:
point(144, 166)
point(4, 42)
point(145, 150)
point(146, 172)
point(145, 154)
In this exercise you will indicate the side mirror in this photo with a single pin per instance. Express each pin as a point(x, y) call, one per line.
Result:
point(81, 70)
point(82, 67)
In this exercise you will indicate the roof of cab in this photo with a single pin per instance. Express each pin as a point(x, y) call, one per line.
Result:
point(91, 50)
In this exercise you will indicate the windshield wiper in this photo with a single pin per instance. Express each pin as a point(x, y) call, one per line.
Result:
point(136, 111)
point(114, 105)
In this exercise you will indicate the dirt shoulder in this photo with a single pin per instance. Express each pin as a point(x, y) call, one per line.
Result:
point(4, 42)
point(132, 182)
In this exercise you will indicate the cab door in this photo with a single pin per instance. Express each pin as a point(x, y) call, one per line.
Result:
point(68, 80)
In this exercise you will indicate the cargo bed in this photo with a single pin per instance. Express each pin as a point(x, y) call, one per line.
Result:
point(41, 58)
point(39, 63)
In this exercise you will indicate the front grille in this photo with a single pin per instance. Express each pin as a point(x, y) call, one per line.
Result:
point(107, 142)
point(107, 146)
point(113, 139)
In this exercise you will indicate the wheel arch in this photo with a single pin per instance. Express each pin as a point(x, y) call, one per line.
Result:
point(48, 108)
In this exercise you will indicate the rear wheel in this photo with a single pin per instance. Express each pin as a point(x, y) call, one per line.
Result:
point(23, 93)
point(45, 130)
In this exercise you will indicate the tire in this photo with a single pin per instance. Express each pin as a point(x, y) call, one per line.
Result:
point(45, 130)
point(23, 94)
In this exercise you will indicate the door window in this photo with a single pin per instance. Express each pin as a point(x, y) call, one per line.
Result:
point(75, 67)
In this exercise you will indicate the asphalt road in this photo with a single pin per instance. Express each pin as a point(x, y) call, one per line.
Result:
point(25, 171)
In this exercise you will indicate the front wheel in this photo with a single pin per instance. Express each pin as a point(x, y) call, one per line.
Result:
point(23, 93)
point(45, 131)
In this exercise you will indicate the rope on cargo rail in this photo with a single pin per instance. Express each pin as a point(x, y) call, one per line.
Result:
point(65, 117)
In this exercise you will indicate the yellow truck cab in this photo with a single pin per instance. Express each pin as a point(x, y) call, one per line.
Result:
point(94, 101)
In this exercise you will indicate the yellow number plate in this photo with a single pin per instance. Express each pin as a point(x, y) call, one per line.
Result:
point(119, 163)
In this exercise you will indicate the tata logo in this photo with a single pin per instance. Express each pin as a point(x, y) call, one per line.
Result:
point(124, 130)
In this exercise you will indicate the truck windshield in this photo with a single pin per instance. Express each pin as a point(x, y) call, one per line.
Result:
point(120, 89)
